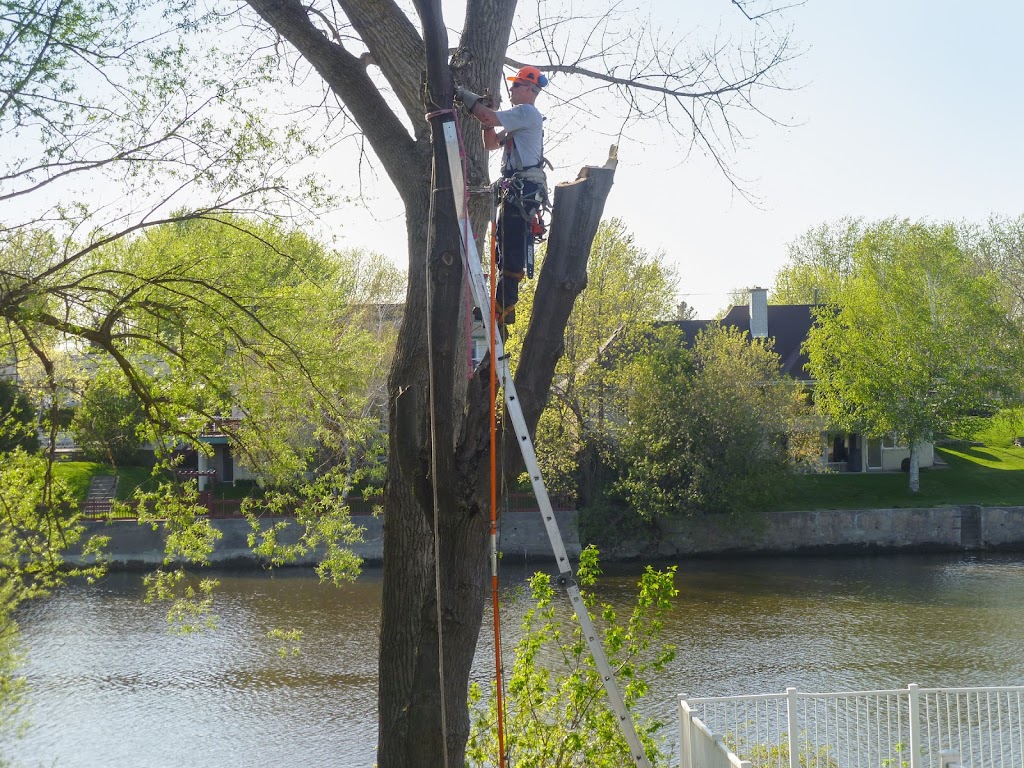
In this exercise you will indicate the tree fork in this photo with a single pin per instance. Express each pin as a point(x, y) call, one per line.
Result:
point(410, 726)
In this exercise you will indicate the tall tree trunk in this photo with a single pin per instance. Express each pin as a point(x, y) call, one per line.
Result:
point(409, 693)
point(430, 520)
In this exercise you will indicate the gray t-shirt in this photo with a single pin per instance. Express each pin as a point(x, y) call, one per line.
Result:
point(524, 143)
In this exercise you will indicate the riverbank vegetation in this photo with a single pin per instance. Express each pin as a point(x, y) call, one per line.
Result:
point(986, 470)
point(133, 479)
point(554, 702)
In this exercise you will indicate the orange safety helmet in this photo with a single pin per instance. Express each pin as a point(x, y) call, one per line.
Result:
point(530, 75)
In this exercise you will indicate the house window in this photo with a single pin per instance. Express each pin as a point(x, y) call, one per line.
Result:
point(835, 447)
point(480, 348)
point(874, 454)
point(890, 441)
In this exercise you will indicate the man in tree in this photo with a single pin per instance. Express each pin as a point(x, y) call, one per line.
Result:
point(522, 189)
point(446, 409)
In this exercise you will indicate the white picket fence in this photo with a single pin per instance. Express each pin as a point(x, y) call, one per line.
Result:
point(910, 727)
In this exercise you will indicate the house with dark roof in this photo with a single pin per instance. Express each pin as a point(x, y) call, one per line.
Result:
point(788, 326)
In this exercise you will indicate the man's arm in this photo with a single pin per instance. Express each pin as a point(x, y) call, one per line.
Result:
point(489, 120)
point(479, 108)
point(492, 139)
point(487, 116)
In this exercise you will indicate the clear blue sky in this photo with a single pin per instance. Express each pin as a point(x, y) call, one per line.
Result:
point(903, 107)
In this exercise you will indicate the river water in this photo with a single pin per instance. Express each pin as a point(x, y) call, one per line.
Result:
point(109, 686)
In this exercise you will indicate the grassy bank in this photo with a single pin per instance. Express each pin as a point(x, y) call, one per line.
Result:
point(972, 476)
point(989, 471)
point(77, 475)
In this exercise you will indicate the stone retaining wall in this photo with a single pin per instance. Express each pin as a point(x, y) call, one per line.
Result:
point(936, 529)
point(523, 537)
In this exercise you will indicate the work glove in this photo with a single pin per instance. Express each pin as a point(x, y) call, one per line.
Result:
point(467, 97)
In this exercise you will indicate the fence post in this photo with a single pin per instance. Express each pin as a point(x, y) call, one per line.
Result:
point(794, 749)
point(915, 725)
point(685, 725)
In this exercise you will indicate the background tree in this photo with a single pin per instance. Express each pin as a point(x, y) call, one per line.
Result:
point(212, 316)
point(373, 58)
point(818, 261)
point(119, 119)
point(123, 119)
point(238, 316)
point(998, 246)
point(706, 429)
point(915, 340)
point(200, 319)
point(628, 290)
point(684, 311)
point(17, 419)
point(738, 297)
point(108, 420)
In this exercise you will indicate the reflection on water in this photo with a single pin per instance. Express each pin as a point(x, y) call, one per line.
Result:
point(110, 687)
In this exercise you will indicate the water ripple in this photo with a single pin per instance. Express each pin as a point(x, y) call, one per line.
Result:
point(110, 687)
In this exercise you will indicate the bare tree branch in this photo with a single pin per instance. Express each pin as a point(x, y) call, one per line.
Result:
point(347, 77)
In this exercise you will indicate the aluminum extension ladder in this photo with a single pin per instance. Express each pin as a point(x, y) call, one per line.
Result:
point(566, 576)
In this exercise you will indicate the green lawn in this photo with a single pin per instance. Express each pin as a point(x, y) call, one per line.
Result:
point(991, 474)
point(972, 477)
point(77, 475)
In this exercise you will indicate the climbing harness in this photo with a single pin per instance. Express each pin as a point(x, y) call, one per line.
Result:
point(524, 189)
point(511, 193)
point(500, 364)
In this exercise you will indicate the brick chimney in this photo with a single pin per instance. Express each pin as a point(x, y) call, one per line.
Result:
point(759, 313)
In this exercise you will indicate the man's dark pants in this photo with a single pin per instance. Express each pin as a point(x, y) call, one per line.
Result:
point(514, 237)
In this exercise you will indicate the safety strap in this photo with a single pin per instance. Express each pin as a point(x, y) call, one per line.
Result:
point(510, 190)
point(534, 173)
point(518, 167)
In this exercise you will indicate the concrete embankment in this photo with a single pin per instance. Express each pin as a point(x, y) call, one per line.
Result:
point(935, 529)
point(523, 536)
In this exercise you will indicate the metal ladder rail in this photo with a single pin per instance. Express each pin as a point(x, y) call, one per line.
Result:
point(566, 576)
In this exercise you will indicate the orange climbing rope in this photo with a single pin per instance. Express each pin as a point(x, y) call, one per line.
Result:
point(499, 682)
